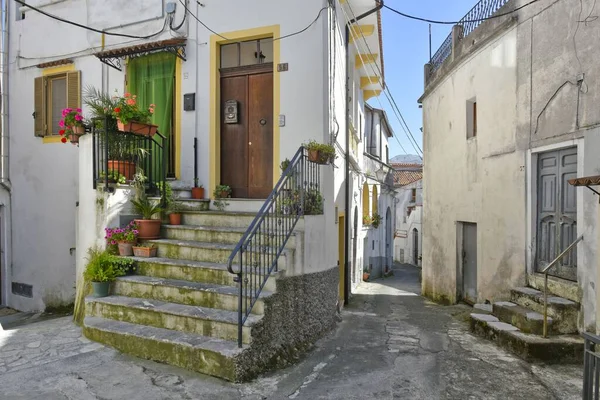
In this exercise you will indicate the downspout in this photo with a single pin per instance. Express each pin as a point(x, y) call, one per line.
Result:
point(4, 136)
point(347, 219)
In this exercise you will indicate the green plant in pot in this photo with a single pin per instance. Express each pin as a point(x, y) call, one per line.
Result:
point(197, 190)
point(320, 153)
point(102, 269)
point(221, 192)
point(376, 220)
point(313, 202)
point(171, 207)
point(148, 228)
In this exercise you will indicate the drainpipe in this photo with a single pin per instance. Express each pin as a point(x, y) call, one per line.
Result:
point(4, 177)
point(347, 219)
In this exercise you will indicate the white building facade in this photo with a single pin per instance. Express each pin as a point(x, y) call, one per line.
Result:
point(408, 183)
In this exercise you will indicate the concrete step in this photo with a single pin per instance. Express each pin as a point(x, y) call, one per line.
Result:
point(194, 271)
point(563, 312)
point(555, 349)
point(218, 218)
point(242, 205)
point(526, 320)
point(214, 234)
point(217, 253)
point(188, 204)
point(198, 353)
point(184, 292)
point(221, 324)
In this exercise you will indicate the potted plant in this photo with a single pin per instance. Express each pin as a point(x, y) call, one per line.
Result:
point(148, 228)
point(114, 177)
point(376, 220)
point(102, 268)
point(313, 202)
point(126, 265)
point(222, 192)
point(124, 238)
point(72, 125)
point(197, 190)
point(366, 274)
point(130, 118)
point(367, 220)
point(171, 207)
point(320, 153)
point(145, 251)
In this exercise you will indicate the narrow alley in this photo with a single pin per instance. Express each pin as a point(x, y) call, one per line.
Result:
point(390, 344)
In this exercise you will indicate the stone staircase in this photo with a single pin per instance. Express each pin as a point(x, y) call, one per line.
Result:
point(181, 307)
point(517, 325)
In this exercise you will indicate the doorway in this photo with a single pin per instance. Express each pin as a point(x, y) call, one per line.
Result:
point(342, 256)
point(388, 238)
point(468, 263)
point(247, 130)
point(557, 211)
point(415, 246)
point(355, 273)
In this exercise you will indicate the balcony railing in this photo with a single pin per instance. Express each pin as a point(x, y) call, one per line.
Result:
point(118, 156)
point(483, 9)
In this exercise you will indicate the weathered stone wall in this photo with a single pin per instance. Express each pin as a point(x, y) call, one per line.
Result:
point(301, 311)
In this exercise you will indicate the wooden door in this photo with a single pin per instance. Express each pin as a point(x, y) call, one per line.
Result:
point(469, 263)
point(557, 211)
point(247, 145)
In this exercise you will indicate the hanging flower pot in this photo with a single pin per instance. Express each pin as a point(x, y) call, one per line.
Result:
point(320, 153)
point(138, 128)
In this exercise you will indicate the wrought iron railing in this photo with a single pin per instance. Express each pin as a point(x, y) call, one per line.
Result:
point(474, 18)
point(591, 367)
point(256, 256)
point(118, 156)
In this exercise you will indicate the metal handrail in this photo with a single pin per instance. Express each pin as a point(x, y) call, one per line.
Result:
point(545, 272)
point(591, 366)
point(258, 251)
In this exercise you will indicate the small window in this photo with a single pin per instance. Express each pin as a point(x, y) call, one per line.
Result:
point(471, 119)
point(413, 196)
point(246, 53)
point(52, 94)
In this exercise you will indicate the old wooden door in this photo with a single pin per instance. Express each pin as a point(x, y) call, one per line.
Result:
point(557, 211)
point(469, 263)
point(247, 144)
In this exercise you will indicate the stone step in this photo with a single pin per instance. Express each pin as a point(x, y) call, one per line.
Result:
point(526, 320)
point(214, 234)
point(198, 353)
point(555, 349)
point(217, 253)
point(242, 205)
point(194, 271)
point(187, 204)
point(184, 292)
point(229, 219)
point(221, 324)
point(563, 312)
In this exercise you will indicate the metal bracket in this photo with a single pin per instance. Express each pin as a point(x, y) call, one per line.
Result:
point(113, 58)
point(594, 190)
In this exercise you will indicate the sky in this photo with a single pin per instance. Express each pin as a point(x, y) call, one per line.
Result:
point(405, 52)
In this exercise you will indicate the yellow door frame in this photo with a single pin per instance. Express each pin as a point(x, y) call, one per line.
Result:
point(215, 97)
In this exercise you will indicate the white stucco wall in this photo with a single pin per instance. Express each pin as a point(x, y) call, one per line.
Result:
point(403, 246)
point(478, 180)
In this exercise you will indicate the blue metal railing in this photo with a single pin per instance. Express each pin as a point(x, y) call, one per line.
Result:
point(256, 256)
point(591, 367)
point(474, 18)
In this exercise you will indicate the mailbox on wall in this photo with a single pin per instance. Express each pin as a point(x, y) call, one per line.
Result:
point(231, 112)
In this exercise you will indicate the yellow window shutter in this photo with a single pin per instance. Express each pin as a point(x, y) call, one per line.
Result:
point(39, 111)
point(74, 89)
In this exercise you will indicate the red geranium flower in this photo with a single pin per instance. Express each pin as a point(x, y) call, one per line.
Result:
point(117, 110)
point(63, 139)
point(61, 132)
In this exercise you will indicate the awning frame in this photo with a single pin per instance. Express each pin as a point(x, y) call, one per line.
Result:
point(113, 58)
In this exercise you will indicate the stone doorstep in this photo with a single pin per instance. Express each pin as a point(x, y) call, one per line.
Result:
point(526, 320)
point(184, 292)
point(198, 353)
point(205, 321)
point(194, 271)
point(564, 312)
point(555, 349)
point(211, 234)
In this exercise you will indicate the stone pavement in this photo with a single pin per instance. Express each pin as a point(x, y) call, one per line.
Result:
point(391, 344)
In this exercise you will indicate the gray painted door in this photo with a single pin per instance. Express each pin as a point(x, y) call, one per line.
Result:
point(388, 238)
point(469, 262)
point(557, 211)
point(415, 246)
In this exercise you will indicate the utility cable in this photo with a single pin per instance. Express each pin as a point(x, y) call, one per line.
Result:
point(89, 28)
point(387, 93)
point(432, 21)
point(181, 24)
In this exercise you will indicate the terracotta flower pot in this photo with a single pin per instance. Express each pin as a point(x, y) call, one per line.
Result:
point(78, 130)
point(366, 276)
point(125, 168)
point(74, 139)
point(125, 248)
point(137, 128)
point(143, 251)
point(317, 157)
point(148, 228)
point(197, 193)
point(175, 219)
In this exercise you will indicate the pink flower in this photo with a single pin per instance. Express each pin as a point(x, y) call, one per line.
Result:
point(78, 117)
point(130, 102)
point(61, 123)
point(79, 110)
point(151, 110)
point(127, 95)
point(152, 105)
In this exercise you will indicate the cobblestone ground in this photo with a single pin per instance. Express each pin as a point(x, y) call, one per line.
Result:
point(391, 344)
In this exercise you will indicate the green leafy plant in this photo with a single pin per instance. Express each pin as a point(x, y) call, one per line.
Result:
point(376, 220)
point(129, 234)
point(103, 267)
point(113, 177)
point(326, 152)
point(166, 191)
point(284, 164)
point(144, 207)
point(367, 220)
point(313, 202)
point(222, 192)
point(127, 109)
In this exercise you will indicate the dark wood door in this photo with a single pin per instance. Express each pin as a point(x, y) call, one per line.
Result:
point(247, 146)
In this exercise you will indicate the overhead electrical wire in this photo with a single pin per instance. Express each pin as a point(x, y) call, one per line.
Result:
point(89, 28)
point(387, 93)
point(433, 21)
